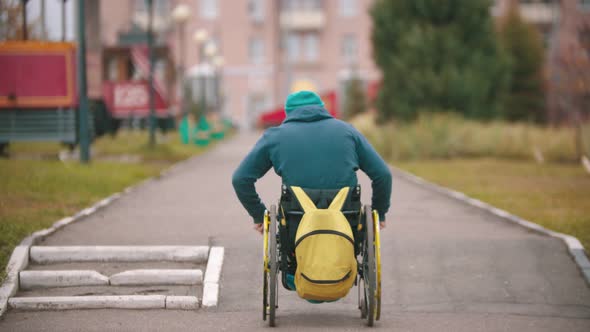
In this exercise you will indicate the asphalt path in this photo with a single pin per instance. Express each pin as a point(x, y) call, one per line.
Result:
point(446, 266)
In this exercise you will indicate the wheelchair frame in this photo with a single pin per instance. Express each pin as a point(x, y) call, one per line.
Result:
point(369, 265)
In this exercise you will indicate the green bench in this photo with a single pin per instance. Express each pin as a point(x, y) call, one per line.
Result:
point(57, 125)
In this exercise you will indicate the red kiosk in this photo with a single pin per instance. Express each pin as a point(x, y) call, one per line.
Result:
point(38, 97)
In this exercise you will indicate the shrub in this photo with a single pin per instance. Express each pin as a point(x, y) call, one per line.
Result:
point(442, 136)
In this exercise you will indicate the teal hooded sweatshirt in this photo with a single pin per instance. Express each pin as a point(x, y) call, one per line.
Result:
point(311, 149)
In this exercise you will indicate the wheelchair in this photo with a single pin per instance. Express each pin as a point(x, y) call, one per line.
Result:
point(280, 226)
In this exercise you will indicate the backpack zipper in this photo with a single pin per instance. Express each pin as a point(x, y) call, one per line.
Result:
point(324, 231)
point(326, 281)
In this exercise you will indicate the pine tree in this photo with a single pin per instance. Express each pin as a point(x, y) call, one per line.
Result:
point(356, 101)
point(438, 55)
point(523, 43)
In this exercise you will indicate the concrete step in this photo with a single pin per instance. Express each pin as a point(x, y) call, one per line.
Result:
point(157, 277)
point(104, 302)
point(46, 254)
point(178, 290)
point(44, 279)
point(111, 268)
point(70, 278)
point(129, 277)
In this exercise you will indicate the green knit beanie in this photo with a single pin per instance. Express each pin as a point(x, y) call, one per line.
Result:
point(302, 98)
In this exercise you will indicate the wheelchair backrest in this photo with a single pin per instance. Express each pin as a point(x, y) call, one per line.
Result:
point(321, 198)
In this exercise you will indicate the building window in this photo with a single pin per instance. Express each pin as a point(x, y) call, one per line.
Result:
point(161, 7)
point(349, 49)
point(585, 4)
point(310, 46)
point(256, 10)
point(301, 4)
point(311, 4)
point(348, 8)
point(208, 8)
point(293, 46)
point(256, 50)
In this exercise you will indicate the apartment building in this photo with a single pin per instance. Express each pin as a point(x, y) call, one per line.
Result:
point(264, 48)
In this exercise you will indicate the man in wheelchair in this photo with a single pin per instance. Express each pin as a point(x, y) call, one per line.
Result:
point(319, 153)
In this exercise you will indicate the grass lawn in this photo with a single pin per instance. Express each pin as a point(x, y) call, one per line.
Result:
point(126, 143)
point(556, 196)
point(36, 193)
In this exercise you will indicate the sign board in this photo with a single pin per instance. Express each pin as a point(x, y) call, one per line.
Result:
point(131, 98)
point(37, 75)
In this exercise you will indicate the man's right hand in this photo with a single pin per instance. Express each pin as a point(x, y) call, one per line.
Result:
point(259, 228)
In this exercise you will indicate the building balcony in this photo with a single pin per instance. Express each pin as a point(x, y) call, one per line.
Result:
point(310, 19)
point(539, 13)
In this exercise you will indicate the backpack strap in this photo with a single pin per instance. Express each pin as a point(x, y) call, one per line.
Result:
point(304, 200)
point(339, 200)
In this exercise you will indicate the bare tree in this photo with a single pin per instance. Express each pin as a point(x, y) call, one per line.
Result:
point(11, 22)
point(573, 89)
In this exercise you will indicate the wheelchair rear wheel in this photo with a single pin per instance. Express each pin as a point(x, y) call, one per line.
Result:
point(270, 286)
point(371, 301)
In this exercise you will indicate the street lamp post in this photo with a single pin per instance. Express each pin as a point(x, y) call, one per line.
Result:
point(200, 38)
point(218, 130)
point(84, 135)
point(24, 13)
point(218, 63)
point(180, 15)
point(150, 42)
point(210, 52)
point(63, 20)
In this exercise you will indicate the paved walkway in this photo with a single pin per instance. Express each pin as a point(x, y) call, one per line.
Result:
point(447, 266)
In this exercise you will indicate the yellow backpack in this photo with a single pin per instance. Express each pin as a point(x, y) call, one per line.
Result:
point(324, 247)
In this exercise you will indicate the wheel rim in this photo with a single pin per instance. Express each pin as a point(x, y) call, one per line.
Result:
point(265, 267)
point(377, 235)
point(371, 278)
point(273, 265)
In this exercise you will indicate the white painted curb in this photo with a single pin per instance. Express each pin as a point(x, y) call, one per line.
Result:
point(157, 277)
point(210, 295)
point(212, 277)
point(182, 302)
point(574, 246)
point(89, 302)
point(44, 255)
point(18, 261)
point(69, 278)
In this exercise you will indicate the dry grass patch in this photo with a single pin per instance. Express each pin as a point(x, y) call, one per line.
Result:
point(556, 196)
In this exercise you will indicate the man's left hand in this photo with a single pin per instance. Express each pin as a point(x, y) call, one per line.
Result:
point(259, 228)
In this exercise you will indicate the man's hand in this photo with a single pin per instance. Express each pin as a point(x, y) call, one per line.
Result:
point(259, 228)
point(382, 225)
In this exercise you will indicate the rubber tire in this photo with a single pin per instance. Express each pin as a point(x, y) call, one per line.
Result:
point(371, 275)
point(272, 236)
point(264, 295)
point(361, 297)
